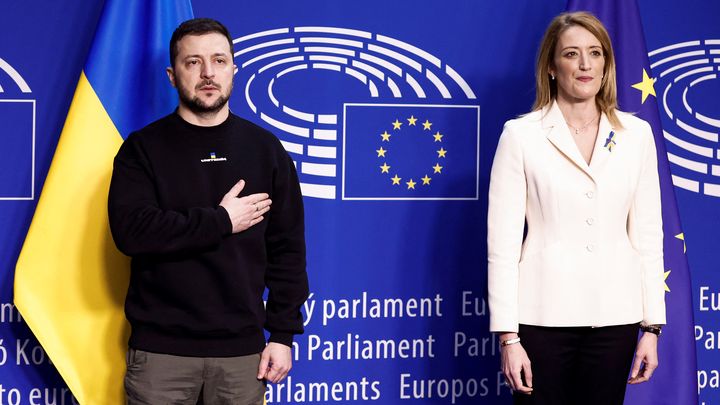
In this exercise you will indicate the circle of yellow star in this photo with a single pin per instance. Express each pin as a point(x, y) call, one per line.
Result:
point(426, 180)
point(646, 86)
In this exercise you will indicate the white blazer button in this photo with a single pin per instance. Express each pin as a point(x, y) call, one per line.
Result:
point(590, 194)
point(590, 221)
point(590, 247)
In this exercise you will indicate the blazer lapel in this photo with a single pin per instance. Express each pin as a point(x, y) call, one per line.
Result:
point(559, 135)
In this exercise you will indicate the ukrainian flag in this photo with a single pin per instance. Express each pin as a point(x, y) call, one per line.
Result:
point(70, 281)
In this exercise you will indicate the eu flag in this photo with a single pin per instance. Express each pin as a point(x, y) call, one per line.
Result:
point(16, 149)
point(674, 382)
point(410, 152)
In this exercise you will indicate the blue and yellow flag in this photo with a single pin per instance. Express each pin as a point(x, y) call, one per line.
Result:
point(674, 382)
point(410, 152)
point(70, 281)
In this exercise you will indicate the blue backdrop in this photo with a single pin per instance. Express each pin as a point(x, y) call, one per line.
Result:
point(391, 111)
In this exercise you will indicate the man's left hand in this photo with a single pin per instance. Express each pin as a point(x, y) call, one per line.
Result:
point(275, 363)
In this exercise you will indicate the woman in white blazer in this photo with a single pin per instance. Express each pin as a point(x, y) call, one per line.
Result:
point(582, 178)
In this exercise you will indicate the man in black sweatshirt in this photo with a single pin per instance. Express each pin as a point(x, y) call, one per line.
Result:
point(208, 206)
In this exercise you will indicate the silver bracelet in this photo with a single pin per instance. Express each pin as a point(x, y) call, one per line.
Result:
point(509, 342)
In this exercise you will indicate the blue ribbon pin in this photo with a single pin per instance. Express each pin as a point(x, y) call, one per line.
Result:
point(610, 141)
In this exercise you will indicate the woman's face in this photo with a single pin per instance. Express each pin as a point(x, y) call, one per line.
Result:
point(577, 65)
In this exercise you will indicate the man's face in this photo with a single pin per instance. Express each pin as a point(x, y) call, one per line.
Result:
point(203, 72)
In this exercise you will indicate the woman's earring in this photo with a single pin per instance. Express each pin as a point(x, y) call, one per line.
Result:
point(552, 77)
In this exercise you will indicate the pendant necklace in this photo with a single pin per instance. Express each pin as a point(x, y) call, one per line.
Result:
point(582, 128)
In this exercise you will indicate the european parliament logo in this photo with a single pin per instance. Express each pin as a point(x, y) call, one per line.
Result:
point(364, 116)
point(687, 86)
point(17, 143)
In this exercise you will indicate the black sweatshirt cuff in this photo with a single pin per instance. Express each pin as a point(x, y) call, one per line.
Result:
point(223, 219)
point(282, 338)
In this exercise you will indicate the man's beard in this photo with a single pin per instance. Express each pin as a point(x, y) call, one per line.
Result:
point(194, 103)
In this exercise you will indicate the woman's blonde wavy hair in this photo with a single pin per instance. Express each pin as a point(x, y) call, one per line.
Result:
point(546, 89)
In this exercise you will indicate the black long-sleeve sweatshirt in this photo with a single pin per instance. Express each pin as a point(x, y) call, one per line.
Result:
point(196, 288)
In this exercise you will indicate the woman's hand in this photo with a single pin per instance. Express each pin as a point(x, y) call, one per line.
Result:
point(516, 365)
point(646, 359)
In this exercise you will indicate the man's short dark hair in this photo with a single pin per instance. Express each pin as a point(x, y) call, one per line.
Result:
point(197, 26)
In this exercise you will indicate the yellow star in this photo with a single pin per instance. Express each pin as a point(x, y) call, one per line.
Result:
point(385, 168)
point(437, 168)
point(396, 179)
point(381, 151)
point(411, 120)
point(385, 136)
point(397, 124)
point(441, 152)
point(646, 86)
point(426, 180)
point(681, 236)
point(438, 136)
point(426, 125)
point(667, 273)
point(411, 184)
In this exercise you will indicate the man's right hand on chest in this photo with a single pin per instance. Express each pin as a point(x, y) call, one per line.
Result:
point(245, 211)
